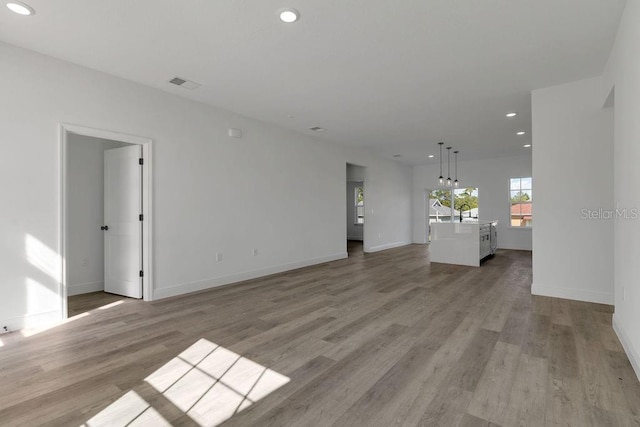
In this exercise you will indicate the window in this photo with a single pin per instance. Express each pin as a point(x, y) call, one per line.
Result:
point(439, 206)
point(359, 198)
point(465, 205)
point(521, 195)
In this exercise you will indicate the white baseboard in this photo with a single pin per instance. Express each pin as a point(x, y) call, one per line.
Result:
point(85, 288)
point(386, 246)
point(633, 356)
point(572, 293)
point(225, 280)
point(31, 320)
point(515, 248)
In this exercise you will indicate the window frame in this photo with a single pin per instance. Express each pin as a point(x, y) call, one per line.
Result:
point(356, 205)
point(509, 190)
point(452, 202)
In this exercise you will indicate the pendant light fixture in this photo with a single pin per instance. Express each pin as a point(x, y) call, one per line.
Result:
point(448, 166)
point(440, 178)
point(455, 183)
point(449, 182)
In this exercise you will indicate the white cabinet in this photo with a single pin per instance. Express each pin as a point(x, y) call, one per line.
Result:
point(463, 243)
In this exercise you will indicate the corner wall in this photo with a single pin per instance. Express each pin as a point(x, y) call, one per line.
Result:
point(623, 72)
point(573, 183)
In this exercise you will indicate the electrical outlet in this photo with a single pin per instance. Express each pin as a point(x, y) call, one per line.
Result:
point(219, 256)
point(255, 251)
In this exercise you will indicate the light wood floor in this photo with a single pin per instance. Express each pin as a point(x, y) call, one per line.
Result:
point(376, 340)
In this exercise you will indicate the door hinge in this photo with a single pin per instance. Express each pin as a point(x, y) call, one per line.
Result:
point(141, 217)
point(141, 273)
point(141, 161)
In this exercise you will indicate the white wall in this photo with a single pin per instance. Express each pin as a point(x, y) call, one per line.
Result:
point(572, 171)
point(623, 71)
point(85, 198)
point(356, 173)
point(212, 193)
point(491, 177)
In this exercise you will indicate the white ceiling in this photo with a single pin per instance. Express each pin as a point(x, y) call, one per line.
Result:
point(395, 76)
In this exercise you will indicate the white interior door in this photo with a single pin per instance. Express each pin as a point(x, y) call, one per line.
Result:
point(123, 226)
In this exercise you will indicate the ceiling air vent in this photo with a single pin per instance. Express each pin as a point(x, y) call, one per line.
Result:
point(184, 83)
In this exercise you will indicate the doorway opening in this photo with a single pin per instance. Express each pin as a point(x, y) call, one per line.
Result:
point(105, 216)
point(356, 200)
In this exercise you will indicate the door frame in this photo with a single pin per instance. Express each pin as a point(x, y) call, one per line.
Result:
point(147, 230)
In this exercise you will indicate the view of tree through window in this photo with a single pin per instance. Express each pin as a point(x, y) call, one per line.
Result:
point(465, 205)
point(359, 205)
point(521, 194)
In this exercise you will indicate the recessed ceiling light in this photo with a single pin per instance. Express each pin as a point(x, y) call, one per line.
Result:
point(20, 8)
point(317, 129)
point(288, 15)
point(512, 114)
point(527, 145)
point(520, 133)
point(431, 156)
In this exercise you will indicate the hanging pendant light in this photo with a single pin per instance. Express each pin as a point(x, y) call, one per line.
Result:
point(440, 178)
point(448, 166)
point(455, 183)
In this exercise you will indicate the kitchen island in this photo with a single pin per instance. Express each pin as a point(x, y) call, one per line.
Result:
point(463, 243)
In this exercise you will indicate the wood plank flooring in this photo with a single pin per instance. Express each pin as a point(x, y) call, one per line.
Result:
point(384, 339)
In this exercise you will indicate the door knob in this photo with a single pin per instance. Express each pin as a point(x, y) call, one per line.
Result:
point(104, 227)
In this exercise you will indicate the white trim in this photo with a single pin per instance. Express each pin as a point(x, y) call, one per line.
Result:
point(234, 278)
point(84, 288)
point(573, 294)
point(633, 356)
point(515, 248)
point(387, 246)
point(147, 203)
point(29, 321)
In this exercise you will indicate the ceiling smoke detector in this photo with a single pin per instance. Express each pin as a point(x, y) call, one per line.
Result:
point(184, 83)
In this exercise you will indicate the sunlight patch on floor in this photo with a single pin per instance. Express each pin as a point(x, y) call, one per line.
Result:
point(207, 382)
point(34, 331)
point(129, 410)
point(113, 304)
